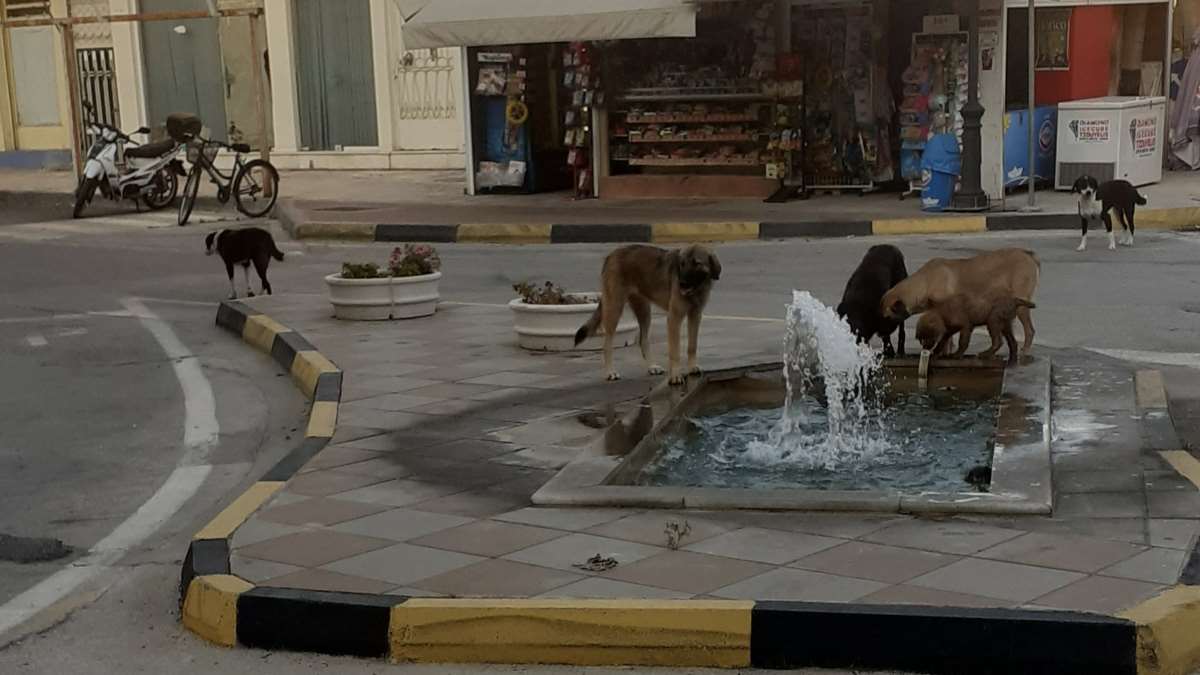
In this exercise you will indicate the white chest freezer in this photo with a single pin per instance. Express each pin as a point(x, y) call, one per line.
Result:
point(1111, 137)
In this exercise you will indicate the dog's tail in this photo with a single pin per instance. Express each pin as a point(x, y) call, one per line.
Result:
point(275, 252)
point(1141, 199)
point(589, 329)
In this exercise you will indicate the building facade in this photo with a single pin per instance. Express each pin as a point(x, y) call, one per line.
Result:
point(348, 95)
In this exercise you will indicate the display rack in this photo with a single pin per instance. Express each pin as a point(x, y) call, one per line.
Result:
point(651, 128)
point(941, 61)
point(841, 130)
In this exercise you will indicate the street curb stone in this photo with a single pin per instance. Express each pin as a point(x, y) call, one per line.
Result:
point(292, 218)
point(942, 640)
point(1159, 637)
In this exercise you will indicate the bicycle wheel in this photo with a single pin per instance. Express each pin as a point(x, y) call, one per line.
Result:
point(83, 195)
point(166, 186)
point(189, 195)
point(256, 188)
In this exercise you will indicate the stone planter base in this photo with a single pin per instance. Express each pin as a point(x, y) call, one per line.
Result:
point(383, 299)
point(552, 328)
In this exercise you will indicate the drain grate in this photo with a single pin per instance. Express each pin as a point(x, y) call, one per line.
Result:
point(25, 550)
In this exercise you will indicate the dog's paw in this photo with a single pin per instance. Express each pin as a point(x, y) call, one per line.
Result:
point(677, 379)
point(613, 376)
point(655, 369)
point(249, 294)
point(695, 370)
point(1112, 247)
point(1081, 247)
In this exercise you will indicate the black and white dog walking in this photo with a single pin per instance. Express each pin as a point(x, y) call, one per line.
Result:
point(243, 247)
point(1100, 201)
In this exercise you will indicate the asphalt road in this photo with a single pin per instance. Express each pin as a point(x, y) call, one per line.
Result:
point(94, 416)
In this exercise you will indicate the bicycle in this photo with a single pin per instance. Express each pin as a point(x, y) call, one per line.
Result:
point(254, 185)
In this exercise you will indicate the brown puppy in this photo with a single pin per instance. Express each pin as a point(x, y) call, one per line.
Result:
point(962, 313)
point(677, 281)
point(1010, 271)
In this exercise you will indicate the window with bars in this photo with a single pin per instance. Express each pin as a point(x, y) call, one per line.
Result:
point(26, 9)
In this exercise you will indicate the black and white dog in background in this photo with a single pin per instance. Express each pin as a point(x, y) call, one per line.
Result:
point(243, 247)
point(1100, 202)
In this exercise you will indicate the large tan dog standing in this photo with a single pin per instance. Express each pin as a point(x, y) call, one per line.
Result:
point(1009, 271)
point(678, 282)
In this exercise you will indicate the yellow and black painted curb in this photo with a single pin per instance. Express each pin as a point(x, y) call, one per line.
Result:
point(1159, 637)
point(205, 583)
point(675, 232)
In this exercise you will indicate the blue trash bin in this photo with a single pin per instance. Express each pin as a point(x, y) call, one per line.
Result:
point(936, 190)
point(941, 165)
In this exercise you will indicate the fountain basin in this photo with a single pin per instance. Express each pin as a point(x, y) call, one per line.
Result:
point(643, 460)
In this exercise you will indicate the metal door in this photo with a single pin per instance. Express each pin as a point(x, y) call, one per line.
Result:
point(335, 74)
point(184, 71)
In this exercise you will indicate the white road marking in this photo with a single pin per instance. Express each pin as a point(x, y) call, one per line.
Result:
point(200, 427)
point(201, 431)
point(716, 317)
point(174, 301)
point(1184, 359)
point(36, 340)
point(120, 314)
point(72, 332)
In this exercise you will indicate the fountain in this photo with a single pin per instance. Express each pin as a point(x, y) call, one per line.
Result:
point(833, 426)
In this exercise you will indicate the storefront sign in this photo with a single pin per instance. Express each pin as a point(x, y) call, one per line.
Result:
point(1053, 39)
point(1143, 131)
point(1091, 131)
point(941, 23)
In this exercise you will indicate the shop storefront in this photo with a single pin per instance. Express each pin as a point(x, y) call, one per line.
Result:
point(1100, 91)
point(777, 98)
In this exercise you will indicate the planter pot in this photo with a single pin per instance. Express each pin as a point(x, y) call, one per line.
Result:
point(552, 328)
point(383, 299)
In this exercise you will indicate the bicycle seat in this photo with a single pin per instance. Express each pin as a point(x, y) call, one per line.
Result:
point(150, 149)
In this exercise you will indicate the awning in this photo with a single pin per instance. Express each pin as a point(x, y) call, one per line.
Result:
point(457, 23)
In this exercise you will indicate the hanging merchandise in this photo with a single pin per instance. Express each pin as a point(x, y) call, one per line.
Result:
point(501, 86)
point(935, 91)
point(845, 142)
point(583, 82)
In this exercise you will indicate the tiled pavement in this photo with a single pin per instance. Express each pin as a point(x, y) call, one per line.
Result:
point(447, 428)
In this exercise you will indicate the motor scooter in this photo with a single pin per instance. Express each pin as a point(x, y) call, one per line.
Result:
point(122, 168)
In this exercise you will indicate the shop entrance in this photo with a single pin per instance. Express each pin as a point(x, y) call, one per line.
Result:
point(781, 100)
point(1100, 104)
point(530, 132)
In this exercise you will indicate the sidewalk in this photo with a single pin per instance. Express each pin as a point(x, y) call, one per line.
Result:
point(425, 491)
point(431, 206)
point(443, 434)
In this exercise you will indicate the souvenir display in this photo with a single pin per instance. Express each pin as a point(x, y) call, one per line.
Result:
point(846, 143)
point(935, 90)
point(702, 104)
point(583, 82)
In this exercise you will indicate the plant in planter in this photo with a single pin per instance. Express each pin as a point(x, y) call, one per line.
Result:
point(407, 288)
point(546, 318)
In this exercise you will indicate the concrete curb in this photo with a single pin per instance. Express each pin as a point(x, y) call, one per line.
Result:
point(1161, 636)
point(293, 220)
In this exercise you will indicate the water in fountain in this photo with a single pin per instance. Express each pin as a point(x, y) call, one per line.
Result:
point(823, 362)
